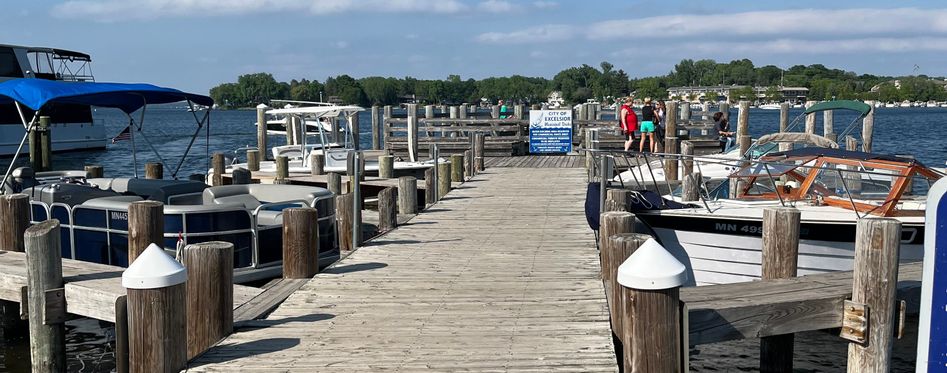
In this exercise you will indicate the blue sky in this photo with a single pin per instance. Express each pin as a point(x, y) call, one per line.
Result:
point(196, 44)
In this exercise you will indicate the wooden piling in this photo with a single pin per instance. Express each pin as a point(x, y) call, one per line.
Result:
point(14, 220)
point(429, 111)
point(780, 257)
point(479, 150)
point(611, 256)
point(376, 129)
point(468, 164)
point(209, 289)
point(240, 176)
point(154, 170)
point(868, 129)
point(745, 141)
point(282, 170)
point(429, 187)
point(353, 127)
point(743, 120)
point(617, 200)
point(687, 157)
point(685, 111)
point(157, 319)
point(443, 179)
point(828, 127)
point(145, 227)
point(94, 171)
point(317, 163)
point(412, 134)
point(705, 108)
point(877, 245)
point(518, 111)
point(344, 220)
point(262, 150)
point(334, 183)
point(783, 117)
point(690, 187)
point(386, 166)
point(217, 176)
point(407, 195)
point(614, 222)
point(301, 242)
point(670, 120)
point(810, 119)
point(670, 164)
point(495, 111)
point(457, 168)
point(253, 160)
point(725, 109)
point(387, 209)
point(651, 325)
point(46, 297)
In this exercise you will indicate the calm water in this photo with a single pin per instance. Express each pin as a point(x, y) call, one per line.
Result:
point(916, 131)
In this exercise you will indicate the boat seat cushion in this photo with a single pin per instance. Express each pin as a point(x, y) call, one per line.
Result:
point(114, 202)
point(269, 217)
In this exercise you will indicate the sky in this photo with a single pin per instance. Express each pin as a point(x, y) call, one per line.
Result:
point(194, 45)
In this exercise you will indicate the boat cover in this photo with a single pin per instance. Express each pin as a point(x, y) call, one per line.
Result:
point(128, 97)
point(861, 107)
point(798, 138)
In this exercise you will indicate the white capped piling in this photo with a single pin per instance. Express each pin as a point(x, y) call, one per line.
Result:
point(157, 312)
point(650, 281)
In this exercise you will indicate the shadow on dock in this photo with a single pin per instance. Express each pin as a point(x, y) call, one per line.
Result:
point(355, 268)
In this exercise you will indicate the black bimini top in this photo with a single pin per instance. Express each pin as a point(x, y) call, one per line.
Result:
point(814, 152)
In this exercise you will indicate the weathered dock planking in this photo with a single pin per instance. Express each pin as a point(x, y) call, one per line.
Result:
point(496, 277)
point(91, 289)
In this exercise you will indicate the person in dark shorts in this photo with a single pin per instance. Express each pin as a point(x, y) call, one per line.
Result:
point(647, 126)
point(629, 122)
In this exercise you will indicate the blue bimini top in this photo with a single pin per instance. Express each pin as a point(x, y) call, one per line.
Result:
point(36, 93)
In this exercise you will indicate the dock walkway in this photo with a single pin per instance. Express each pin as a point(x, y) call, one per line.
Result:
point(501, 275)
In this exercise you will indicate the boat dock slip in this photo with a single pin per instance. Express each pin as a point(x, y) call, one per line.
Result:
point(500, 275)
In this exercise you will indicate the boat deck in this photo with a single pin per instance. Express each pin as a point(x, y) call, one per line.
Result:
point(495, 277)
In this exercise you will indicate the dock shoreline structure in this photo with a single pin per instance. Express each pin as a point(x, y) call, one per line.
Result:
point(485, 272)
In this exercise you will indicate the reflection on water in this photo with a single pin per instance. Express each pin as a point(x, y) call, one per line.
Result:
point(89, 348)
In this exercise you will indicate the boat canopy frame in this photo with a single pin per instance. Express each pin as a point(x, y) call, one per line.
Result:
point(859, 107)
point(318, 112)
point(37, 93)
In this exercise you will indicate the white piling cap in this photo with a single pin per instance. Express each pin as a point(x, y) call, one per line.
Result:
point(153, 269)
point(262, 106)
point(651, 267)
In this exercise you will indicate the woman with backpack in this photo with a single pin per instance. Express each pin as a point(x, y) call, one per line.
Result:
point(628, 121)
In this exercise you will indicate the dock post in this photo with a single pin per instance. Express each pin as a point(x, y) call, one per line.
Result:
point(413, 133)
point(457, 168)
point(386, 166)
point(725, 109)
point(877, 245)
point(670, 122)
point(464, 110)
point(94, 171)
point(613, 223)
point(690, 187)
point(387, 209)
point(784, 124)
point(154, 170)
point(743, 126)
point(209, 294)
point(157, 312)
point(357, 199)
point(518, 111)
point(617, 200)
point(145, 227)
point(495, 111)
point(428, 111)
point(868, 130)
point(46, 298)
point(687, 157)
point(828, 125)
point(705, 108)
point(334, 183)
point(620, 247)
point(670, 164)
point(240, 175)
point(429, 186)
point(386, 116)
point(253, 160)
point(468, 164)
point(685, 111)
point(317, 164)
point(45, 144)
point(353, 128)
point(14, 220)
point(282, 170)
point(260, 134)
point(780, 257)
point(343, 216)
point(407, 195)
point(217, 176)
point(376, 129)
point(300, 242)
point(479, 150)
point(851, 143)
point(810, 119)
point(650, 282)
point(443, 179)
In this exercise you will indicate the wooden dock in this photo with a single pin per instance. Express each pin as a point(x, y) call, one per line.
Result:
point(498, 276)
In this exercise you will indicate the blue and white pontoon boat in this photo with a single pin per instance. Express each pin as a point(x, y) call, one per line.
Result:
point(94, 212)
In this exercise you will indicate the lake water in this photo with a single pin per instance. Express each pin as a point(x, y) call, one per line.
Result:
point(915, 131)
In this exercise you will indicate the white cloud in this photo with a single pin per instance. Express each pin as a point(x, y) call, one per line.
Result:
point(545, 4)
point(906, 22)
point(118, 10)
point(548, 33)
point(496, 6)
point(800, 46)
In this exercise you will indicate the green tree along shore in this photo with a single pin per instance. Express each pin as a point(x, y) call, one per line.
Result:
point(578, 84)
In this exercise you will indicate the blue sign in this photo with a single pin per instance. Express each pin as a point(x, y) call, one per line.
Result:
point(932, 331)
point(550, 131)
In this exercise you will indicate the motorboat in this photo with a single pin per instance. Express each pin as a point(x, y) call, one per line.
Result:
point(770, 106)
point(719, 238)
point(335, 146)
point(71, 126)
point(93, 212)
point(279, 124)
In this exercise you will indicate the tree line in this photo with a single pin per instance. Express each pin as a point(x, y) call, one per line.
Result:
point(579, 84)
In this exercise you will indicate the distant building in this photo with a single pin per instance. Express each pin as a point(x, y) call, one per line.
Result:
point(555, 99)
point(699, 93)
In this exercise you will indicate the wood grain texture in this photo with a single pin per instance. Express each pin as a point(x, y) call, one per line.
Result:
point(317, 163)
point(145, 226)
point(253, 160)
point(783, 116)
point(261, 135)
point(810, 119)
point(157, 329)
point(209, 294)
point(344, 220)
point(282, 169)
point(618, 200)
point(457, 168)
point(94, 171)
point(430, 190)
point(828, 125)
point(687, 160)
point(386, 166)
point(653, 340)
point(494, 279)
point(877, 245)
point(743, 119)
point(14, 220)
point(670, 120)
point(690, 188)
point(671, 164)
point(241, 176)
point(218, 166)
point(377, 142)
point(334, 183)
point(868, 130)
point(154, 170)
point(44, 272)
point(443, 179)
point(780, 257)
point(407, 195)
point(387, 209)
point(479, 141)
point(301, 241)
point(620, 247)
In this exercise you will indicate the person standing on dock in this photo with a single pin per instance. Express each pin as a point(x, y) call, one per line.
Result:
point(659, 114)
point(647, 126)
point(722, 126)
point(503, 109)
point(628, 121)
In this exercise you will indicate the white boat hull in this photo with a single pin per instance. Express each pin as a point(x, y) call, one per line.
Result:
point(65, 137)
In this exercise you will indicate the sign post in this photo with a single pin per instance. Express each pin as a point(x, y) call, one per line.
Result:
point(932, 329)
point(550, 131)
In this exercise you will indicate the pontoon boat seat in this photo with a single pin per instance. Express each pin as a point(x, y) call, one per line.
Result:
point(288, 151)
point(114, 202)
point(70, 194)
point(252, 196)
point(155, 190)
